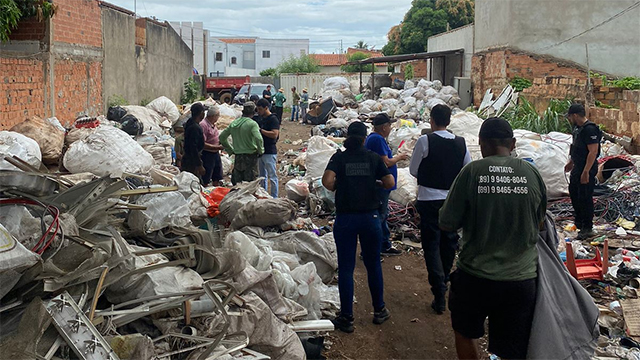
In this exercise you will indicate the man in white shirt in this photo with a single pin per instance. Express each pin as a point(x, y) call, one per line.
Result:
point(437, 159)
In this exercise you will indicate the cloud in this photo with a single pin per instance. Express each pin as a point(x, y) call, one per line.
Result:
point(323, 22)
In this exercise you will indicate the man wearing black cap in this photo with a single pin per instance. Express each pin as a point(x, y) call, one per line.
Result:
point(436, 161)
point(582, 164)
point(377, 142)
point(356, 175)
point(500, 203)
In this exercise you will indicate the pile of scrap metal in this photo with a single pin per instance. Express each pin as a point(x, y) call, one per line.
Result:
point(116, 268)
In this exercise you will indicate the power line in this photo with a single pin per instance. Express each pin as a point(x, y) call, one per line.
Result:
point(635, 5)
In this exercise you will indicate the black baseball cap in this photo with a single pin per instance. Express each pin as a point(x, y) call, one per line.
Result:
point(496, 128)
point(382, 118)
point(357, 129)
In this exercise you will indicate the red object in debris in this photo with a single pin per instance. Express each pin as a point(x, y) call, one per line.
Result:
point(588, 268)
point(215, 198)
point(87, 122)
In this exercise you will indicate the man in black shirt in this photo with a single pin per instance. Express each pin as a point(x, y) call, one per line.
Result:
point(266, 94)
point(270, 130)
point(194, 142)
point(355, 175)
point(583, 166)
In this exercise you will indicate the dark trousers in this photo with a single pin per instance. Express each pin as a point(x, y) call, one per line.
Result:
point(278, 111)
point(582, 201)
point(212, 167)
point(346, 231)
point(439, 246)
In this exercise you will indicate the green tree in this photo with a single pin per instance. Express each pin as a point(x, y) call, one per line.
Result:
point(12, 11)
point(357, 56)
point(408, 72)
point(268, 72)
point(295, 65)
point(426, 18)
point(361, 45)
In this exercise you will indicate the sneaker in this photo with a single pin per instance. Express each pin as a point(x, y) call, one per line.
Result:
point(391, 252)
point(585, 234)
point(439, 305)
point(381, 316)
point(343, 324)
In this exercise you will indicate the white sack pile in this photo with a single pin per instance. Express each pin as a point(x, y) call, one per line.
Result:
point(15, 144)
point(48, 136)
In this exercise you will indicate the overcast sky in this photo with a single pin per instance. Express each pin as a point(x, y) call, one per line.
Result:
point(323, 22)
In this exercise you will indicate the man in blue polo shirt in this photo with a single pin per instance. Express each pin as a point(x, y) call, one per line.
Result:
point(376, 142)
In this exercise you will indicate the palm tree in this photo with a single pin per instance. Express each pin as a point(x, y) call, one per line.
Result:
point(361, 45)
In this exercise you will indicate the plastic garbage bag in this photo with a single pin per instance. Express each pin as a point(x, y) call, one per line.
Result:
point(108, 151)
point(319, 152)
point(425, 84)
point(389, 93)
point(164, 210)
point(437, 85)
point(403, 134)
point(188, 184)
point(228, 113)
point(48, 136)
point(309, 286)
point(239, 196)
point(227, 164)
point(335, 83)
point(297, 190)
point(432, 102)
point(164, 174)
point(260, 257)
point(265, 212)
point(408, 84)
point(116, 113)
point(166, 108)
point(336, 123)
point(16, 144)
point(149, 119)
point(14, 260)
point(407, 188)
point(550, 160)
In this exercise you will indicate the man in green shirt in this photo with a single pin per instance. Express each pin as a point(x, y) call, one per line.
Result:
point(500, 203)
point(279, 106)
point(247, 145)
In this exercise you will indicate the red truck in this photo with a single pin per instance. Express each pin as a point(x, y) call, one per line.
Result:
point(220, 88)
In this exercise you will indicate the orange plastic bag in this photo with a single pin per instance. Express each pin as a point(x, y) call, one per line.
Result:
point(214, 198)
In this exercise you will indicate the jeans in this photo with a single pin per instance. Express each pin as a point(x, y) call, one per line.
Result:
point(303, 113)
point(582, 201)
point(439, 246)
point(384, 215)
point(295, 110)
point(346, 231)
point(267, 169)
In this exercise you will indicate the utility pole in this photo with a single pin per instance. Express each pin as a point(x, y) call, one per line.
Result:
point(340, 46)
point(135, 5)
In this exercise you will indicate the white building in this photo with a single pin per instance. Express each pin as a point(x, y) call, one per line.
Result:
point(195, 36)
point(250, 55)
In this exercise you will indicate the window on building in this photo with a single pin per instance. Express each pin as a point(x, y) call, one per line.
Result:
point(303, 52)
point(218, 56)
point(234, 60)
point(266, 54)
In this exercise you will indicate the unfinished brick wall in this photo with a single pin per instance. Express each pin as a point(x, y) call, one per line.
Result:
point(554, 87)
point(78, 89)
point(494, 69)
point(623, 121)
point(78, 22)
point(21, 90)
point(28, 29)
point(608, 95)
point(419, 69)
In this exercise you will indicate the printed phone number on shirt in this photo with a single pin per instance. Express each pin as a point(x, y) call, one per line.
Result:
point(501, 179)
point(518, 190)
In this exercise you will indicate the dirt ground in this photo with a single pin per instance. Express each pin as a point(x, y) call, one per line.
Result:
point(414, 330)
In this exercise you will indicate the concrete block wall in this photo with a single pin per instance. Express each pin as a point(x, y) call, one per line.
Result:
point(494, 69)
point(21, 90)
point(623, 121)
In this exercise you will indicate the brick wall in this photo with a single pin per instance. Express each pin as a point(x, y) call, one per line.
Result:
point(141, 32)
point(78, 22)
point(624, 121)
point(78, 89)
point(554, 87)
point(21, 90)
point(28, 29)
point(608, 95)
point(494, 69)
point(419, 69)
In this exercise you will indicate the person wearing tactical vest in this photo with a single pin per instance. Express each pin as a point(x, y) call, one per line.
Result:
point(436, 161)
point(583, 166)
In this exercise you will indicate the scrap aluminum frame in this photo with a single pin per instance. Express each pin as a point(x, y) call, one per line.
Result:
point(76, 329)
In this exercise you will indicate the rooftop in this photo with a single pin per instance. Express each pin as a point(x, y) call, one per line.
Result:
point(330, 59)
